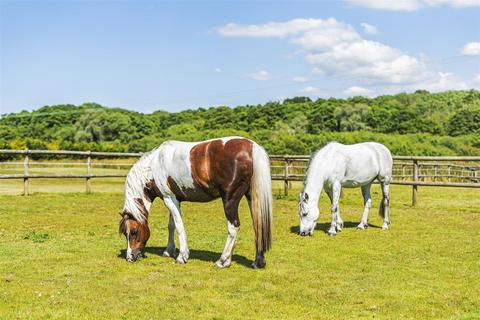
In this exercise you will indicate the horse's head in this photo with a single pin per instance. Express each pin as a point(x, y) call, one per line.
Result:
point(308, 212)
point(136, 233)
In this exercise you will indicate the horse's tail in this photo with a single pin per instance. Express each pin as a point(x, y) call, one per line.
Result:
point(261, 194)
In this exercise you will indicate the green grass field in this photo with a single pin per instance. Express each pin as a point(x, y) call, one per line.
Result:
point(61, 257)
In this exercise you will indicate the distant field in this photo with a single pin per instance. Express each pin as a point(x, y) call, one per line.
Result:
point(61, 257)
point(15, 187)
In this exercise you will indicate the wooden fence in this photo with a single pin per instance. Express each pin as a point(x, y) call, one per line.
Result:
point(407, 170)
point(414, 171)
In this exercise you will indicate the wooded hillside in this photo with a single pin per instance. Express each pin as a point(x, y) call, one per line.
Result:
point(419, 123)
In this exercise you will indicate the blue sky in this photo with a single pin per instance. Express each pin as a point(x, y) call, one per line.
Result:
point(146, 56)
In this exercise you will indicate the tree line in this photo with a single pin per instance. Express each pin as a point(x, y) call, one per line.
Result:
point(420, 123)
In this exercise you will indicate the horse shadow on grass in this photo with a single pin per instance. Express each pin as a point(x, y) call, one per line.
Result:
point(325, 226)
point(202, 255)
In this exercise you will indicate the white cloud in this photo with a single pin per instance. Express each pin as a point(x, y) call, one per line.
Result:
point(335, 48)
point(369, 29)
point(442, 82)
point(452, 3)
point(475, 83)
point(476, 78)
point(217, 70)
point(261, 75)
point(357, 91)
point(411, 5)
point(369, 60)
point(313, 91)
point(317, 71)
point(299, 79)
point(397, 5)
point(471, 49)
point(270, 29)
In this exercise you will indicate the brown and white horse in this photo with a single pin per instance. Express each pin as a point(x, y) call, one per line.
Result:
point(229, 168)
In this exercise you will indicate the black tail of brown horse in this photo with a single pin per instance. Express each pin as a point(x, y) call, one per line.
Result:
point(261, 193)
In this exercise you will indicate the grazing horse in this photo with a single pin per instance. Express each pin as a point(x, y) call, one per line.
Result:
point(227, 168)
point(337, 165)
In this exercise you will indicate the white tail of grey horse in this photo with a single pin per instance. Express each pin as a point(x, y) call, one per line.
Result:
point(261, 193)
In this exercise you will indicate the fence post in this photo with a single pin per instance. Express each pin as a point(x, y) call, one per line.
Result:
point(87, 181)
point(290, 170)
point(25, 174)
point(285, 173)
point(415, 179)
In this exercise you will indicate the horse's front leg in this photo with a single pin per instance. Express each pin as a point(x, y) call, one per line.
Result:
point(170, 250)
point(334, 197)
point(174, 206)
point(339, 224)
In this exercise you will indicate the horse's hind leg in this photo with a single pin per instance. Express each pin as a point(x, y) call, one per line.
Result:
point(385, 205)
point(230, 205)
point(259, 255)
point(174, 206)
point(170, 250)
point(367, 202)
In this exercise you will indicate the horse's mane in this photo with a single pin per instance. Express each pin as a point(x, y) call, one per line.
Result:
point(312, 157)
point(321, 148)
point(137, 177)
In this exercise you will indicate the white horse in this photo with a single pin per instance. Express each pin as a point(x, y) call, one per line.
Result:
point(337, 165)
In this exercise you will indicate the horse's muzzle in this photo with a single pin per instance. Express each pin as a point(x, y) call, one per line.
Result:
point(132, 258)
point(303, 233)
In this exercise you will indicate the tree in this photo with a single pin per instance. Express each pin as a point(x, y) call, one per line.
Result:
point(322, 118)
point(297, 100)
point(465, 121)
point(352, 117)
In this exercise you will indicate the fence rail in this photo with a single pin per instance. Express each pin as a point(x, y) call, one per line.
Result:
point(413, 171)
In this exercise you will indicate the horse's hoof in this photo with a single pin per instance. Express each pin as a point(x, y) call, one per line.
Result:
point(182, 258)
point(332, 234)
point(385, 227)
point(222, 264)
point(168, 253)
point(362, 226)
point(258, 266)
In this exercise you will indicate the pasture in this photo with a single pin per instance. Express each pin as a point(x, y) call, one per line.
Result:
point(61, 257)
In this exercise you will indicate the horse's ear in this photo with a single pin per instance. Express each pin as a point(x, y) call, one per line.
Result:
point(122, 226)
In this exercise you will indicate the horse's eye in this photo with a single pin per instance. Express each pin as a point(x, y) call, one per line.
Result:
point(304, 214)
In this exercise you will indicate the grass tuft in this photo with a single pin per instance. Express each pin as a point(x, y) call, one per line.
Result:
point(37, 237)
